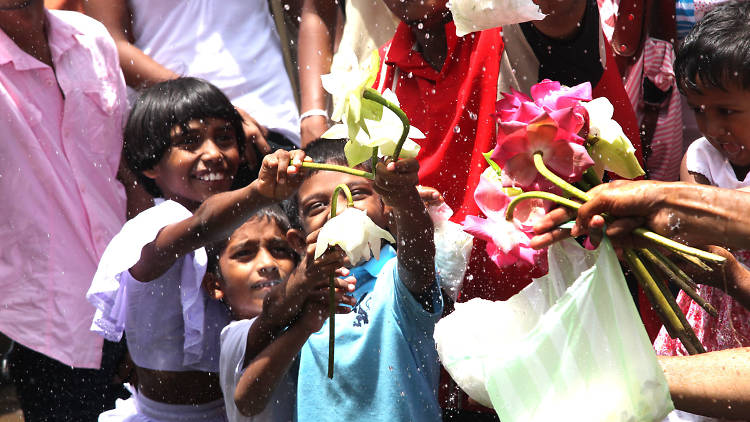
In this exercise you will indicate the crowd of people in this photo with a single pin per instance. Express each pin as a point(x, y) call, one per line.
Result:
point(160, 229)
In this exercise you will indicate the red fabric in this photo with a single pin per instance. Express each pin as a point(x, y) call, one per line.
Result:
point(453, 107)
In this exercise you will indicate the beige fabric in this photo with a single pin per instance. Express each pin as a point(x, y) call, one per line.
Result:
point(519, 68)
point(369, 24)
point(287, 31)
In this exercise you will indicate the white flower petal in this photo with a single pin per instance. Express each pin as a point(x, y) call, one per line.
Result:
point(355, 233)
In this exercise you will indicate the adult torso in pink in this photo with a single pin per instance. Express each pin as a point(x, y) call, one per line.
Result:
point(61, 202)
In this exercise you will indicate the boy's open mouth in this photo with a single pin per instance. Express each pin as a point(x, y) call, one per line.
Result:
point(265, 284)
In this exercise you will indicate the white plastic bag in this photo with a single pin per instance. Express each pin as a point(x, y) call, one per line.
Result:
point(452, 250)
point(570, 346)
point(477, 15)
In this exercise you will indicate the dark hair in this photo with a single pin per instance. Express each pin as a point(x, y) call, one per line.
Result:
point(321, 150)
point(272, 213)
point(166, 105)
point(717, 50)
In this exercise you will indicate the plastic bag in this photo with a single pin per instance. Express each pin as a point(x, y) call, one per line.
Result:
point(570, 346)
point(452, 250)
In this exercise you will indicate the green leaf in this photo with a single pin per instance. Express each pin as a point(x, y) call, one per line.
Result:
point(371, 110)
point(356, 153)
point(492, 163)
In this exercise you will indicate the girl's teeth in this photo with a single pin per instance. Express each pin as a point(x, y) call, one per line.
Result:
point(210, 177)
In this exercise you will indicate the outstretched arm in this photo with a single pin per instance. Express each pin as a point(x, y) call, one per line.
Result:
point(140, 70)
point(300, 303)
point(686, 212)
point(220, 215)
point(397, 182)
point(713, 384)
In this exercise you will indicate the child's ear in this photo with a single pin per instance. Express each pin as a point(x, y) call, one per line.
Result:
point(211, 284)
point(151, 173)
point(296, 240)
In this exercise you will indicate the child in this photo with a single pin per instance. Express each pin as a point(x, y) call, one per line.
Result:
point(386, 365)
point(255, 258)
point(183, 140)
point(711, 69)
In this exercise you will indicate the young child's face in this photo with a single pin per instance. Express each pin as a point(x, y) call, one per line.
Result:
point(724, 119)
point(256, 258)
point(315, 198)
point(413, 12)
point(202, 161)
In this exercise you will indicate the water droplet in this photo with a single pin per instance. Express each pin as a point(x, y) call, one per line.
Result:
point(456, 129)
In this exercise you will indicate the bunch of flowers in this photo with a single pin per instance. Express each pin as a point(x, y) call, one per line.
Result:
point(550, 149)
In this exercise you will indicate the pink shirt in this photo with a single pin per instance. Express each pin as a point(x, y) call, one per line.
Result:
point(60, 202)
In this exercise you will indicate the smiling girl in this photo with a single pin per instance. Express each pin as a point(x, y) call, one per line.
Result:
point(183, 139)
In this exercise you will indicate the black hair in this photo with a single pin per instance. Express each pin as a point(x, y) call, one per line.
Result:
point(321, 150)
point(717, 50)
point(166, 105)
point(272, 213)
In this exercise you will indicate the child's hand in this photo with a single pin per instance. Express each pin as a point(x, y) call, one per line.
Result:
point(316, 308)
point(280, 174)
point(284, 304)
point(396, 181)
point(430, 196)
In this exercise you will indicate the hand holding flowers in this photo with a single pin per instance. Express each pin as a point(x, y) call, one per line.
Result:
point(547, 142)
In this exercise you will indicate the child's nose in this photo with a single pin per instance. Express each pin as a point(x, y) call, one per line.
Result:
point(266, 264)
point(210, 151)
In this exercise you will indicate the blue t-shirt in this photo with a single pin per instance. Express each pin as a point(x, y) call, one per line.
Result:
point(386, 366)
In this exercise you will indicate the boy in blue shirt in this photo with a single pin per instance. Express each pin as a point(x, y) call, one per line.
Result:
point(386, 366)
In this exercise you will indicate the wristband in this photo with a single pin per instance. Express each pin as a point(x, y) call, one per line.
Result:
point(313, 112)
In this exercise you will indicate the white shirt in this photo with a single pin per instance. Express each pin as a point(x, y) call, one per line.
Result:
point(232, 43)
point(704, 159)
point(280, 407)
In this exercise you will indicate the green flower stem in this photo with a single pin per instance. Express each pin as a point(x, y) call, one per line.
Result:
point(677, 270)
point(341, 169)
point(331, 280)
point(591, 177)
point(663, 264)
point(374, 159)
point(667, 315)
point(540, 195)
point(374, 95)
point(694, 261)
point(690, 337)
point(647, 234)
point(677, 246)
point(557, 180)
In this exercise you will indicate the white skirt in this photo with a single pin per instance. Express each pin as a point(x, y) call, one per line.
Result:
point(142, 409)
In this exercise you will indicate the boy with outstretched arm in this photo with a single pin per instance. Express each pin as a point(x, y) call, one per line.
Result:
point(386, 366)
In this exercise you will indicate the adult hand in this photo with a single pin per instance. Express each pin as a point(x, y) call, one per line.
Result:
point(254, 134)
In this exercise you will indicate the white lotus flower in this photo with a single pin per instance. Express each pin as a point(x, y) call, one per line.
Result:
point(477, 15)
point(355, 233)
point(384, 134)
point(347, 82)
point(610, 149)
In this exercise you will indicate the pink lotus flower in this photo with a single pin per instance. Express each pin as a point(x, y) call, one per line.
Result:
point(516, 109)
point(561, 149)
point(507, 241)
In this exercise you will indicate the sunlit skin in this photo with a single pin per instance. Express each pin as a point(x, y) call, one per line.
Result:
point(202, 161)
point(256, 258)
point(315, 199)
point(724, 117)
